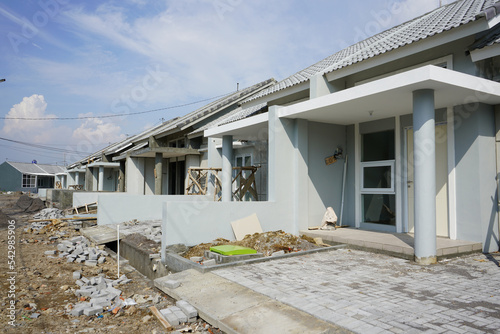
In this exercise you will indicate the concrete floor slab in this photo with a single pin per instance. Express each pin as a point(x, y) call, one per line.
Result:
point(237, 309)
point(395, 244)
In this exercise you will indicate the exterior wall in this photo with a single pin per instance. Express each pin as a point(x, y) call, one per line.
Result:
point(11, 179)
point(325, 182)
point(95, 178)
point(149, 176)
point(476, 176)
point(110, 182)
point(134, 175)
point(121, 207)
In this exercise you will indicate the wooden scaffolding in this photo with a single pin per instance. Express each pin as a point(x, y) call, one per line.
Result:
point(199, 178)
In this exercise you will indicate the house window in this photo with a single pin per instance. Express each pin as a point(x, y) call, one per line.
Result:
point(29, 181)
point(377, 178)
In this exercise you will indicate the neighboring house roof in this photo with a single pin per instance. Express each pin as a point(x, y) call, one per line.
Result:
point(232, 116)
point(210, 109)
point(37, 169)
point(489, 38)
point(435, 22)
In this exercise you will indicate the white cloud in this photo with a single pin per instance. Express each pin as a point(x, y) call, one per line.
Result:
point(95, 132)
point(29, 130)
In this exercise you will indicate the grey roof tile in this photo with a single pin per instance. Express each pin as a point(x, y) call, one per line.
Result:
point(37, 169)
point(435, 22)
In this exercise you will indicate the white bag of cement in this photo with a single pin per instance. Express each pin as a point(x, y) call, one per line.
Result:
point(329, 219)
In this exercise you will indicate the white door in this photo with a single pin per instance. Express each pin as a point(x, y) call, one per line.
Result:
point(442, 226)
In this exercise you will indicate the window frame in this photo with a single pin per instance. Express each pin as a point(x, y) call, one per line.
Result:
point(32, 181)
point(381, 163)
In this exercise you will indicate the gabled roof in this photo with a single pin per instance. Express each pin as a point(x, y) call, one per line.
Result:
point(435, 22)
point(37, 169)
point(211, 109)
point(232, 116)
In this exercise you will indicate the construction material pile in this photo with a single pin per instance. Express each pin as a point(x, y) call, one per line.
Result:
point(267, 243)
point(78, 250)
point(30, 204)
point(49, 213)
point(100, 293)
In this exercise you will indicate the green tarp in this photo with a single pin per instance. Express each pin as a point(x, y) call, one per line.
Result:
point(232, 250)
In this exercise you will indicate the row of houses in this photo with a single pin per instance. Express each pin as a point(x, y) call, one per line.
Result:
point(410, 116)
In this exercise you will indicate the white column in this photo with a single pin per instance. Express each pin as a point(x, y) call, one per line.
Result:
point(424, 153)
point(227, 168)
point(101, 179)
point(77, 178)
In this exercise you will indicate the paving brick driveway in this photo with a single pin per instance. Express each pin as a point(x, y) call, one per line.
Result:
point(373, 293)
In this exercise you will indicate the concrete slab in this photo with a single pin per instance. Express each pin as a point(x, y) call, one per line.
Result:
point(237, 309)
point(100, 234)
point(395, 244)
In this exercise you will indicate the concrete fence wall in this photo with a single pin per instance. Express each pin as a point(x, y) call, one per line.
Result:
point(122, 207)
point(197, 222)
point(82, 198)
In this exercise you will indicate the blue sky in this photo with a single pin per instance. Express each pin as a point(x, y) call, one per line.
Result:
point(75, 58)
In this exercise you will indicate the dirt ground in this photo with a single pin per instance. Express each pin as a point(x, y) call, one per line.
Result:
point(265, 243)
point(46, 286)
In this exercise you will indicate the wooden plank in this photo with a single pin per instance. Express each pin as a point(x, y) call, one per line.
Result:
point(160, 317)
point(52, 219)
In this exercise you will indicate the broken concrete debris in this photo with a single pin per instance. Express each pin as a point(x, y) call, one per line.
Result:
point(100, 293)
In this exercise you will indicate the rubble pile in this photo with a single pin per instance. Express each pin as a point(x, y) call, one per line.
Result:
point(100, 293)
point(151, 229)
point(267, 243)
point(29, 204)
point(78, 250)
point(49, 213)
point(46, 213)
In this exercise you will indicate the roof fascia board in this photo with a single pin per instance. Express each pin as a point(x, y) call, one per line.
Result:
point(242, 98)
point(494, 21)
point(486, 52)
point(411, 49)
point(242, 123)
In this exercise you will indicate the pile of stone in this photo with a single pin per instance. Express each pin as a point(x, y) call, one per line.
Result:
point(151, 229)
point(100, 293)
point(182, 312)
point(78, 250)
point(48, 213)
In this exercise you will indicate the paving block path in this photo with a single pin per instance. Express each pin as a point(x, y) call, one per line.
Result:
point(374, 293)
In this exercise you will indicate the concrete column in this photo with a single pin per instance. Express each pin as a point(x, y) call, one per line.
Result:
point(101, 179)
point(89, 178)
point(77, 178)
point(227, 168)
point(121, 177)
point(158, 173)
point(424, 153)
point(214, 161)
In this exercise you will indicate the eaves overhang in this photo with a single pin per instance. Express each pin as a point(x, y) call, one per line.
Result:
point(393, 96)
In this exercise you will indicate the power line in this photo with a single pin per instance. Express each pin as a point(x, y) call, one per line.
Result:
point(48, 148)
point(111, 116)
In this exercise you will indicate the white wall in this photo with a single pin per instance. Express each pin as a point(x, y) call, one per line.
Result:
point(197, 222)
point(134, 175)
point(116, 208)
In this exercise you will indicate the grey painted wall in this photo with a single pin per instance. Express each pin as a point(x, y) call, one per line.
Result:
point(476, 175)
point(325, 182)
point(11, 179)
